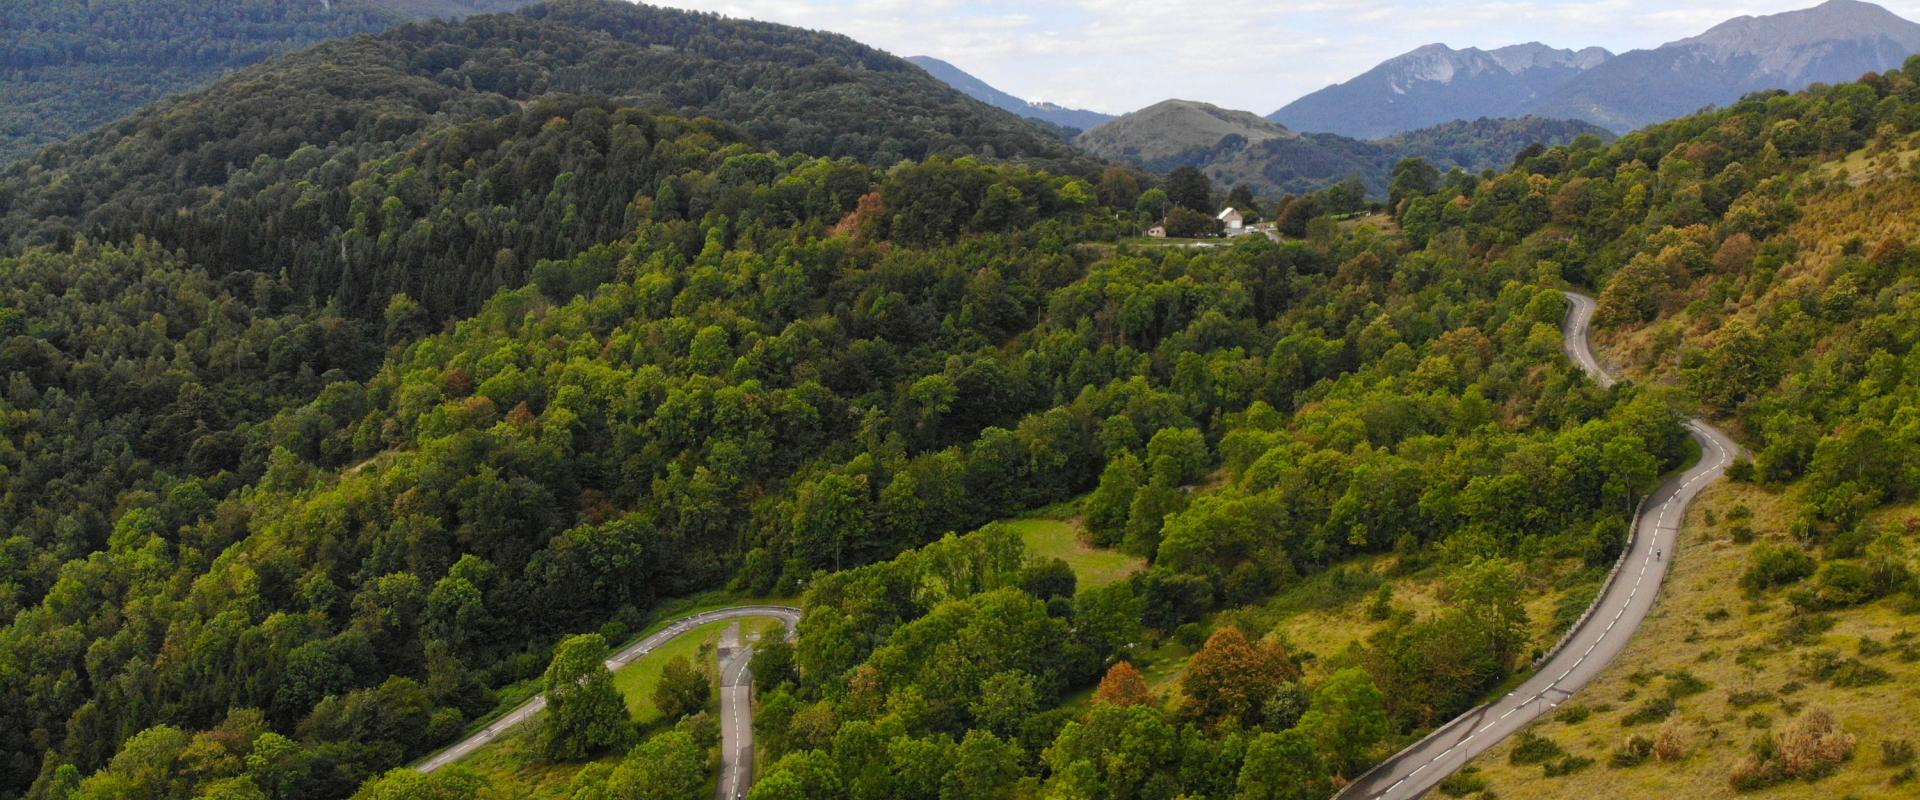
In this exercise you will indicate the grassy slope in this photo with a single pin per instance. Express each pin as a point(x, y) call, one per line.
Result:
point(1057, 538)
point(1743, 651)
point(1706, 625)
point(637, 681)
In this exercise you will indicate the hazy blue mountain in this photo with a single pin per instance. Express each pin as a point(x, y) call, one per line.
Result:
point(1834, 42)
point(979, 90)
point(1235, 147)
point(1435, 84)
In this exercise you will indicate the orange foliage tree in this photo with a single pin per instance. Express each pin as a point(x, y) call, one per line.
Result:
point(1123, 686)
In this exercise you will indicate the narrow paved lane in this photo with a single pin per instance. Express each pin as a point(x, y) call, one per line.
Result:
point(736, 716)
point(728, 722)
point(1595, 640)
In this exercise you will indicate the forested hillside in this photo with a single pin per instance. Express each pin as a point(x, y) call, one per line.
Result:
point(1759, 261)
point(373, 165)
point(339, 394)
point(68, 67)
point(784, 366)
point(398, 541)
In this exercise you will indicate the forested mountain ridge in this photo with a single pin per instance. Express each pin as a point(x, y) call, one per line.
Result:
point(1239, 148)
point(68, 67)
point(269, 169)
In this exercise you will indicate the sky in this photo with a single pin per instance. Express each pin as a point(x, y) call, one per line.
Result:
point(1120, 55)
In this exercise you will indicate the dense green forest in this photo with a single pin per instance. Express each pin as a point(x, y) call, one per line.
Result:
point(802, 365)
point(342, 395)
point(515, 461)
point(67, 67)
point(377, 165)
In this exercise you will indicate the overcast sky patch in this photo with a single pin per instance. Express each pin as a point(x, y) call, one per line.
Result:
point(1121, 55)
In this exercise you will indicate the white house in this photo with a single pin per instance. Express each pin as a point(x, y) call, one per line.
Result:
point(1232, 219)
point(1157, 231)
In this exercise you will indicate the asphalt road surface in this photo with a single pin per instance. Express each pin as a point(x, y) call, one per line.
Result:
point(1594, 642)
point(736, 717)
point(731, 725)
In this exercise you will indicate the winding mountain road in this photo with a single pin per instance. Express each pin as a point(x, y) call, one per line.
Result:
point(736, 696)
point(736, 717)
point(1593, 642)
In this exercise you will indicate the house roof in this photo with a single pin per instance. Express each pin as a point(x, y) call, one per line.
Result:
point(1231, 211)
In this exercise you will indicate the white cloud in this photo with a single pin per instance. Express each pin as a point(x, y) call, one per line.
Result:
point(1120, 55)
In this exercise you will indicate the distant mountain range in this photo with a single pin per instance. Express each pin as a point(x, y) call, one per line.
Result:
point(68, 66)
point(1475, 108)
point(1235, 147)
point(1436, 84)
point(1074, 118)
point(1836, 41)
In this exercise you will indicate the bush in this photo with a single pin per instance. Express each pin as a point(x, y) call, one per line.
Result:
point(1183, 223)
point(1381, 607)
point(1844, 673)
point(1632, 753)
point(1574, 713)
point(1463, 783)
point(1653, 710)
point(1567, 766)
point(1802, 628)
point(1671, 744)
point(1896, 752)
point(1532, 748)
point(1681, 683)
point(1809, 749)
point(1841, 584)
point(1776, 565)
point(1191, 635)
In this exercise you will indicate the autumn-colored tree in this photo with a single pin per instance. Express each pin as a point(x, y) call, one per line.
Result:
point(1230, 679)
point(1123, 686)
point(863, 222)
point(1735, 254)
